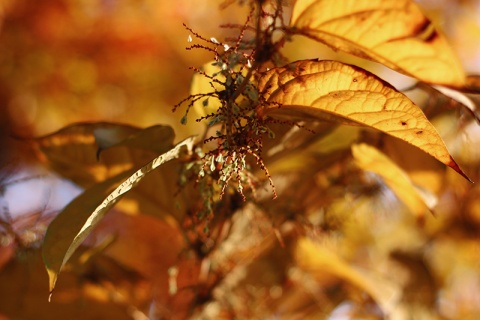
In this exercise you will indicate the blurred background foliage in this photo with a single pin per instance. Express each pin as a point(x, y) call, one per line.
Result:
point(67, 61)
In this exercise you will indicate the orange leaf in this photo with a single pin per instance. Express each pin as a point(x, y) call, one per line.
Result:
point(394, 33)
point(333, 91)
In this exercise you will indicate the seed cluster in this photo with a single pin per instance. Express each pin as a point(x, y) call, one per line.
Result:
point(239, 130)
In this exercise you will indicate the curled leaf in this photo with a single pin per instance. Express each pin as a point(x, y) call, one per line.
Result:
point(76, 221)
point(461, 98)
point(333, 91)
point(394, 33)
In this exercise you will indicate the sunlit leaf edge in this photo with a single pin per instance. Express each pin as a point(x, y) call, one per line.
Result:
point(51, 263)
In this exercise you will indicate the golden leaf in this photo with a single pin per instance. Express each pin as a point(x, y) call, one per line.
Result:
point(333, 91)
point(394, 33)
point(370, 159)
point(318, 261)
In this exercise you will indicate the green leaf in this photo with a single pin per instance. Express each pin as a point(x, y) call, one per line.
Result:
point(76, 221)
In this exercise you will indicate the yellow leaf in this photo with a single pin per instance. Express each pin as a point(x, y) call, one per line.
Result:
point(318, 260)
point(370, 159)
point(333, 91)
point(394, 33)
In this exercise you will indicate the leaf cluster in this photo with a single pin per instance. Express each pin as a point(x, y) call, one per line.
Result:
point(313, 178)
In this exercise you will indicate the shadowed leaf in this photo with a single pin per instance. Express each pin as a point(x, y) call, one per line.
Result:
point(71, 151)
point(394, 33)
point(72, 225)
point(333, 91)
point(156, 138)
point(96, 284)
point(473, 84)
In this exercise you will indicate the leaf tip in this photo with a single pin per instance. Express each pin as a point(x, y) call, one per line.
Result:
point(457, 168)
point(52, 278)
